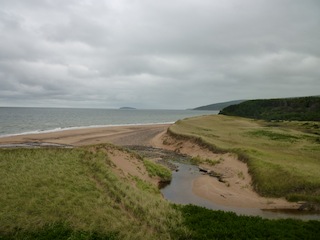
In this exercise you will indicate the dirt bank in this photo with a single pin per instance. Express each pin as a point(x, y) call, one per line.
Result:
point(235, 190)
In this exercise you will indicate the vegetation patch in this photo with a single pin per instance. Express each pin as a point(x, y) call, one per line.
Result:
point(198, 160)
point(207, 224)
point(59, 231)
point(291, 183)
point(273, 135)
point(155, 169)
point(146, 186)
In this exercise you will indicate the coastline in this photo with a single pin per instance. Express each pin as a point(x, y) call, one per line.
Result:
point(139, 134)
point(61, 129)
point(237, 193)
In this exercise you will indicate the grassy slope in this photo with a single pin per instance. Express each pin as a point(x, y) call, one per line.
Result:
point(76, 188)
point(73, 194)
point(283, 160)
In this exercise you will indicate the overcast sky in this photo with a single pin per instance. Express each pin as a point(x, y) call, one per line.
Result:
point(168, 54)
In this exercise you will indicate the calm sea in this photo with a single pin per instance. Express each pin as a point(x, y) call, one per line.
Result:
point(36, 120)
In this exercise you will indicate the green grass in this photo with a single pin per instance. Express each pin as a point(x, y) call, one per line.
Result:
point(283, 157)
point(77, 188)
point(154, 169)
point(58, 231)
point(206, 224)
point(198, 160)
point(272, 135)
point(146, 186)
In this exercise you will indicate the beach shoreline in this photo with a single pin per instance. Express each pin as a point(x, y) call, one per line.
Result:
point(139, 134)
point(236, 193)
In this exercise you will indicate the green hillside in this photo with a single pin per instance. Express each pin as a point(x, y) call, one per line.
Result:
point(298, 109)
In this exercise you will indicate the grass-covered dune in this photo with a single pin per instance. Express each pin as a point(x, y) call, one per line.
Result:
point(76, 192)
point(79, 194)
point(283, 157)
point(299, 109)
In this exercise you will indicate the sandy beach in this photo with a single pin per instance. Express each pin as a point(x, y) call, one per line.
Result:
point(236, 191)
point(118, 135)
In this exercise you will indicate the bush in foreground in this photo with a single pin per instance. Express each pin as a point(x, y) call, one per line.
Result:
point(208, 224)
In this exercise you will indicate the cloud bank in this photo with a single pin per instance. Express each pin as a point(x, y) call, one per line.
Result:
point(156, 54)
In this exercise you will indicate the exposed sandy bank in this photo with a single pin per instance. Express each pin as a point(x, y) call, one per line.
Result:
point(127, 165)
point(236, 191)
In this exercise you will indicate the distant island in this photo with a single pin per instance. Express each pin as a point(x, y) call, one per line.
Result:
point(218, 106)
point(298, 109)
point(127, 108)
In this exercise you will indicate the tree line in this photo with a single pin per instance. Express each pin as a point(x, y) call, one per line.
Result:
point(290, 109)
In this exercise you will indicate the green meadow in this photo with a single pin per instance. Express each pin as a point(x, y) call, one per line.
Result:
point(283, 157)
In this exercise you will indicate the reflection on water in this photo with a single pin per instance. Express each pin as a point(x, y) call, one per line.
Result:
point(180, 191)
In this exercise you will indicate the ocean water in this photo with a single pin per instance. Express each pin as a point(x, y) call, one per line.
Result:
point(15, 121)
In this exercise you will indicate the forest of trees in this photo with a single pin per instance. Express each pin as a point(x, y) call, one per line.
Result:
point(299, 109)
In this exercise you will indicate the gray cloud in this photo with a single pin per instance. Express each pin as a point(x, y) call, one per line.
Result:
point(156, 54)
